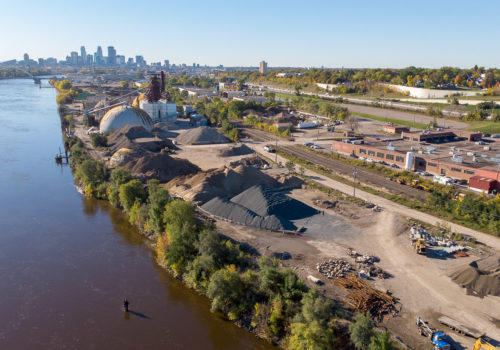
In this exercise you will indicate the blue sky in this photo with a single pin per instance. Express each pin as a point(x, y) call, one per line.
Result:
point(307, 33)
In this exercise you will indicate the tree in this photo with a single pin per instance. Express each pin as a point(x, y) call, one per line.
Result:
point(352, 123)
point(124, 84)
point(157, 199)
point(91, 172)
point(179, 213)
point(98, 140)
point(227, 291)
point(361, 331)
point(297, 89)
point(131, 192)
point(312, 327)
point(290, 166)
point(381, 341)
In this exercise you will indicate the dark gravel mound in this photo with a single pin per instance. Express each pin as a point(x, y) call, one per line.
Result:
point(241, 215)
point(266, 201)
point(237, 151)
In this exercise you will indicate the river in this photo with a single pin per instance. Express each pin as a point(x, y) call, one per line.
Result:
point(67, 263)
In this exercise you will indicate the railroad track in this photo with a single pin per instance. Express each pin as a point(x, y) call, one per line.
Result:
point(369, 178)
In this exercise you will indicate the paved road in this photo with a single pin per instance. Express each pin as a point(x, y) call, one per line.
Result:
point(359, 105)
point(489, 240)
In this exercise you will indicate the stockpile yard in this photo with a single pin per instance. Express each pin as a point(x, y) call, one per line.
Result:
point(224, 182)
point(202, 135)
point(136, 138)
point(482, 277)
point(260, 207)
point(146, 156)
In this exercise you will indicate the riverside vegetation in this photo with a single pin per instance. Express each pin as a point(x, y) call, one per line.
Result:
point(253, 292)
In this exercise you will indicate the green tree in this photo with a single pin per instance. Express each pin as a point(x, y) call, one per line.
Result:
point(361, 331)
point(131, 192)
point(381, 341)
point(91, 172)
point(227, 291)
point(98, 140)
point(290, 166)
point(157, 200)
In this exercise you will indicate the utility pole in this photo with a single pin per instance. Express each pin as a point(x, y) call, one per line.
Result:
point(276, 148)
point(354, 177)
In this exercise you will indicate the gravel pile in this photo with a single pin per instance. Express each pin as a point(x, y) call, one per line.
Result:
point(136, 138)
point(159, 166)
point(481, 276)
point(202, 135)
point(243, 216)
point(334, 268)
point(267, 201)
point(236, 151)
point(260, 207)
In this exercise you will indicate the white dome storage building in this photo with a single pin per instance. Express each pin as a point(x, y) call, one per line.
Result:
point(119, 116)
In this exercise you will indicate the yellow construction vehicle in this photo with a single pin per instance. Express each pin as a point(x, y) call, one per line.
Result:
point(420, 246)
point(482, 344)
point(420, 186)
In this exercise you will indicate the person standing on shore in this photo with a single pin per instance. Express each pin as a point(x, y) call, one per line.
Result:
point(125, 305)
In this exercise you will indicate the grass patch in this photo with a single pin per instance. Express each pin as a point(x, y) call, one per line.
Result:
point(83, 96)
point(394, 121)
point(489, 127)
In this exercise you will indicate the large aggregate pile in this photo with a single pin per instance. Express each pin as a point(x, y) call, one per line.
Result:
point(224, 182)
point(202, 135)
point(161, 166)
point(481, 276)
point(261, 207)
point(136, 138)
point(267, 201)
point(241, 150)
point(239, 214)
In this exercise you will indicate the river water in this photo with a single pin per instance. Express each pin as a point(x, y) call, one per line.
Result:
point(67, 263)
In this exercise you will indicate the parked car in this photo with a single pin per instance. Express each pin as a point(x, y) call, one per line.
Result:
point(317, 147)
point(269, 149)
point(308, 144)
point(395, 166)
point(496, 136)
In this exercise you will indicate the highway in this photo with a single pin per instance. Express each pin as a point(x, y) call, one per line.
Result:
point(365, 106)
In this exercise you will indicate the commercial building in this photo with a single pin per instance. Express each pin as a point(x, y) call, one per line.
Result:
point(111, 56)
point(395, 129)
point(459, 158)
point(263, 67)
point(83, 54)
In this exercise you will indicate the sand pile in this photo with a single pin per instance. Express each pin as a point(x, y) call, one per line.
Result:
point(159, 166)
point(260, 207)
point(236, 151)
point(202, 135)
point(225, 183)
point(481, 276)
point(135, 137)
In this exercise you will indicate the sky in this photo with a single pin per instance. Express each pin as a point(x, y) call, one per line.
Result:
point(286, 33)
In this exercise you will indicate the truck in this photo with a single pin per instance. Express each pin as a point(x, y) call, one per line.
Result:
point(483, 344)
point(439, 339)
point(420, 246)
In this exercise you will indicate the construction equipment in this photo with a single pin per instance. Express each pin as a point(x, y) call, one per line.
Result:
point(420, 246)
point(483, 344)
point(416, 184)
point(439, 339)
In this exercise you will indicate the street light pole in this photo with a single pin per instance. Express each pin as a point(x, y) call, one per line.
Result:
point(354, 176)
point(276, 149)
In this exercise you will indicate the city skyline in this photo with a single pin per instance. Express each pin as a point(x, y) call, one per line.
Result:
point(329, 34)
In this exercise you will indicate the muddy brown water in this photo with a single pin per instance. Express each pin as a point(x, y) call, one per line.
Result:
point(67, 263)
